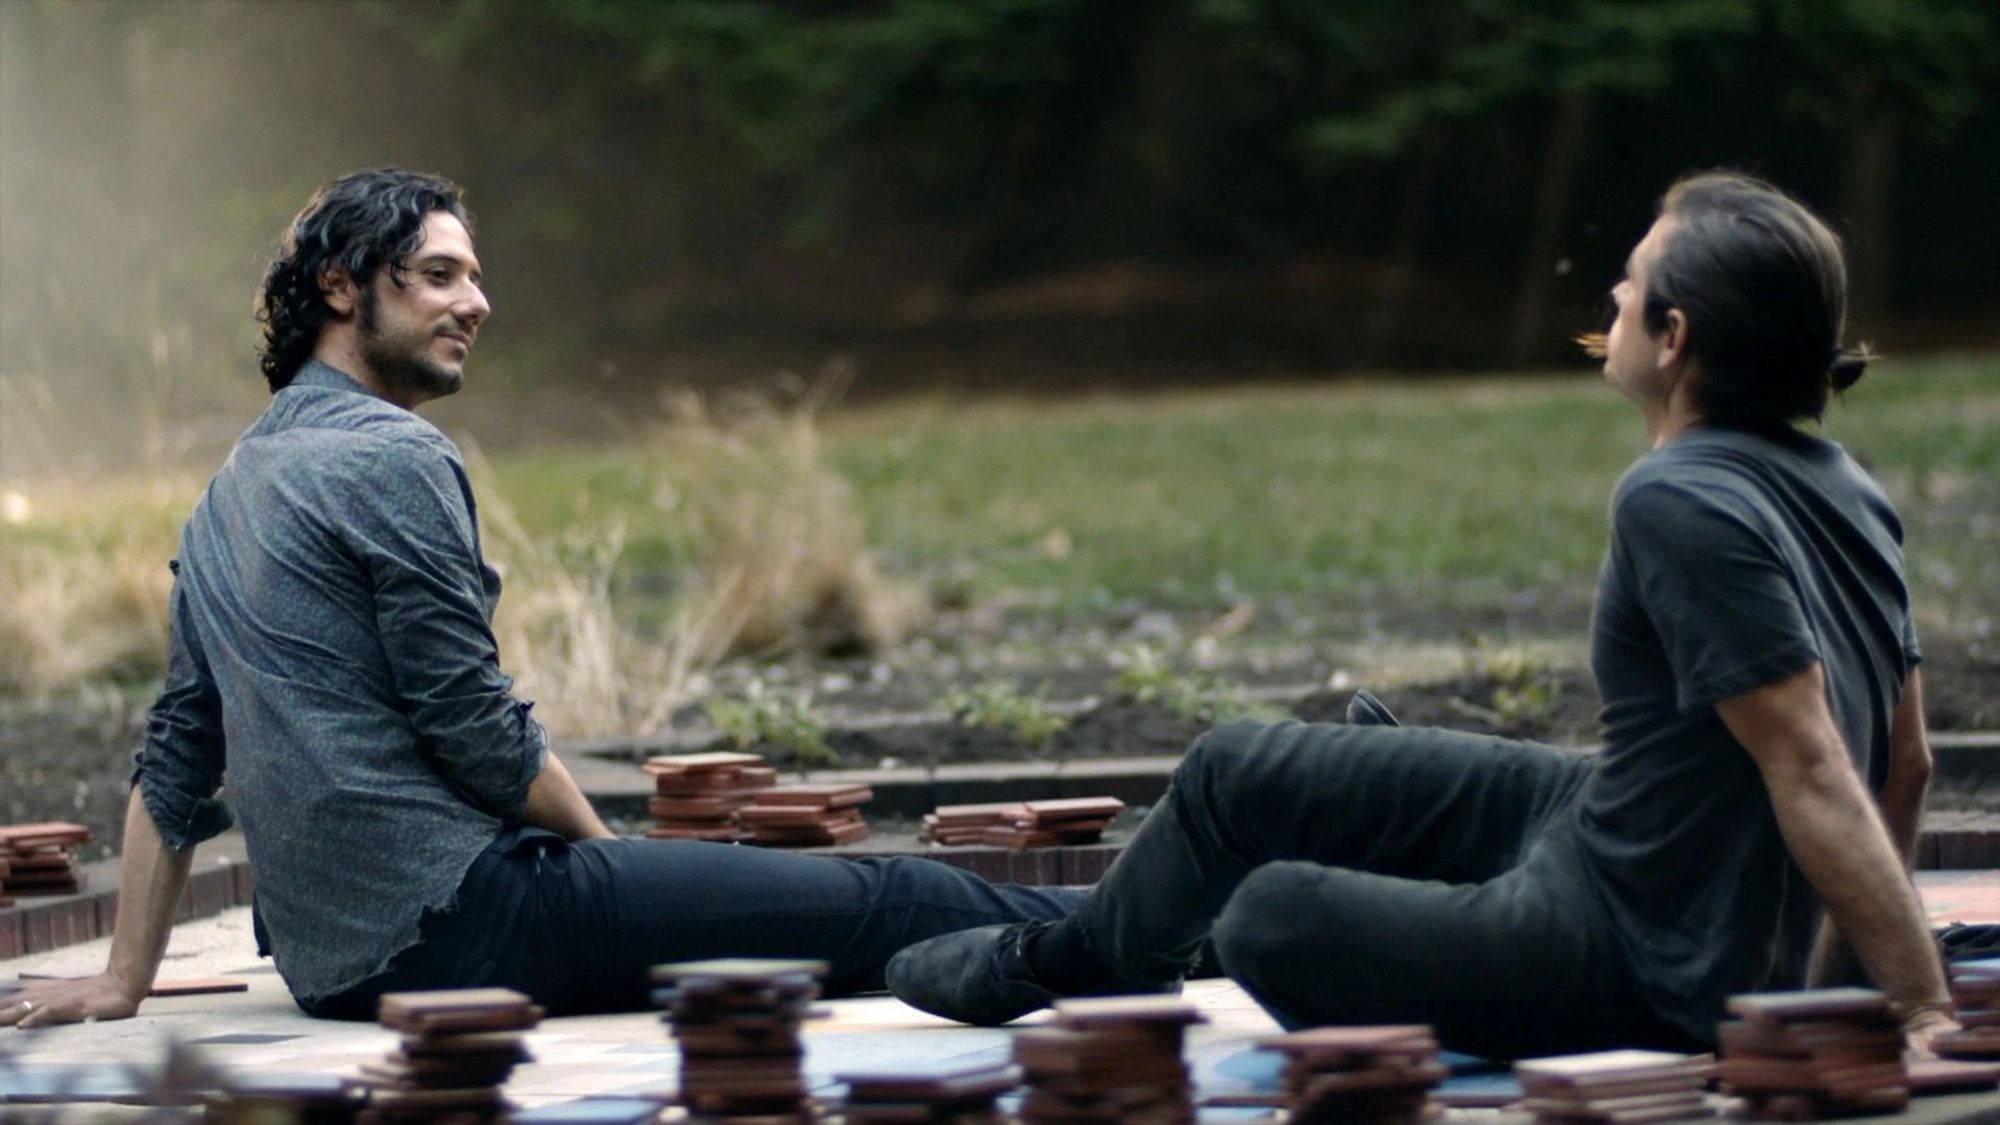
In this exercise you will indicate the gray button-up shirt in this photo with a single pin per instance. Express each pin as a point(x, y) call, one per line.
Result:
point(332, 651)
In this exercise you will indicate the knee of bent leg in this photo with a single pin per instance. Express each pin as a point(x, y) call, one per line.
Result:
point(1220, 751)
point(1263, 928)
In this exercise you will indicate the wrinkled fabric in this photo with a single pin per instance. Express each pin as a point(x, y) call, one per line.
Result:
point(332, 655)
point(578, 925)
point(1738, 558)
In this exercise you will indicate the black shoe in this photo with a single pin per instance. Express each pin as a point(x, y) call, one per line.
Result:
point(1364, 710)
point(982, 976)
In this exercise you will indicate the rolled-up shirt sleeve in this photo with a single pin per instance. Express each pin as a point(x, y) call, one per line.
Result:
point(178, 770)
point(416, 534)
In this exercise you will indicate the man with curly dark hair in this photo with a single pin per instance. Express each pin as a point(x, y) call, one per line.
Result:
point(353, 229)
point(332, 649)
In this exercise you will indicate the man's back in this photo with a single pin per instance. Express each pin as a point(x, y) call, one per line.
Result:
point(331, 591)
point(1738, 557)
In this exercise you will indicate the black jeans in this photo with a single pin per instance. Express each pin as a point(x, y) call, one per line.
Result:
point(577, 925)
point(1353, 875)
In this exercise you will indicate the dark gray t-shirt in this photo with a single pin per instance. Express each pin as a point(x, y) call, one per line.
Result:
point(1737, 559)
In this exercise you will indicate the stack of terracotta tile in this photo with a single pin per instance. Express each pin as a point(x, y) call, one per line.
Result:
point(1378, 1074)
point(966, 824)
point(457, 1050)
point(1023, 824)
point(1616, 1087)
point(696, 796)
point(945, 1092)
point(40, 859)
point(806, 816)
point(1806, 1056)
point(1975, 992)
point(736, 1021)
point(1116, 1059)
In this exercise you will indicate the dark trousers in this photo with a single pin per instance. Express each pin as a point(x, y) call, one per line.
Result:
point(1356, 875)
point(577, 925)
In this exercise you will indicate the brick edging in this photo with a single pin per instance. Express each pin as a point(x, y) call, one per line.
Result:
point(218, 880)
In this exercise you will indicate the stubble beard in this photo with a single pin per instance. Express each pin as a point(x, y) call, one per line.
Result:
point(402, 361)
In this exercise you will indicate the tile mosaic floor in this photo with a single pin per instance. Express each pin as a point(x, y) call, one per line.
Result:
point(607, 1056)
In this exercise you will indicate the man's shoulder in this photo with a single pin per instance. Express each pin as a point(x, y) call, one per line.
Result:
point(1722, 466)
point(1674, 490)
point(337, 429)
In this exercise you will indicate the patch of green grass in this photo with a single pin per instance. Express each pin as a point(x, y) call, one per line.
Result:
point(1461, 492)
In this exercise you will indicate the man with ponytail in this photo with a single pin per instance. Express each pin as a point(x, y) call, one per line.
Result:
point(1749, 824)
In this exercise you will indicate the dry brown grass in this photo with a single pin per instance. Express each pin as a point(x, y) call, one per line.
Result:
point(560, 636)
point(777, 563)
point(86, 601)
point(784, 564)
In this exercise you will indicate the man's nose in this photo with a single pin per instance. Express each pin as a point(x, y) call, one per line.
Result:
point(474, 307)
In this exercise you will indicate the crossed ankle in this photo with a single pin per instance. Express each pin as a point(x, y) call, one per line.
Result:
point(1064, 963)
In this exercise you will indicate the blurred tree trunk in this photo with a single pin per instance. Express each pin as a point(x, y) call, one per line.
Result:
point(1552, 192)
point(1039, 203)
point(1868, 183)
point(1406, 245)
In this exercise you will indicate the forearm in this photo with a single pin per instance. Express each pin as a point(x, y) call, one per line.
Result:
point(150, 879)
point(1902, 805)
point(557, 804)
point(1830, 825)
point(1903, 815)
point(1908, 784)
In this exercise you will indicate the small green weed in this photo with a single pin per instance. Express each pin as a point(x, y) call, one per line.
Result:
point(761, 717)
point(1150, 677)
point(1000, 705)
point(1526, 688)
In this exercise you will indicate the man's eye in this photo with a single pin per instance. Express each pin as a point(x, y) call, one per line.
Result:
point(442, 277)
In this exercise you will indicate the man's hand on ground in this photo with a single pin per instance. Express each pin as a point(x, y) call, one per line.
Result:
point(1920, 1029)
point(45, 1003)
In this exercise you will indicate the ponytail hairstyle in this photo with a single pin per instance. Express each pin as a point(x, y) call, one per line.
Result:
point(360, 223)
point(1761, 281)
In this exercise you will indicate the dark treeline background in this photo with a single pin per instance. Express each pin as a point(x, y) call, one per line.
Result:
point(979, 192)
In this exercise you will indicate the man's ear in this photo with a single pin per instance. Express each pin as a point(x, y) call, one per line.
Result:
point(337, 286)
point(1674, 341)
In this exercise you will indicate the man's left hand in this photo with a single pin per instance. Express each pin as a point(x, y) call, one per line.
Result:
point(47, 1002)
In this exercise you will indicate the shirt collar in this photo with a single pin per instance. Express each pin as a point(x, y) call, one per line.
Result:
point(316, 374)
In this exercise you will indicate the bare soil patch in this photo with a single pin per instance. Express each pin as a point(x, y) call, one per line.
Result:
point(71, 758)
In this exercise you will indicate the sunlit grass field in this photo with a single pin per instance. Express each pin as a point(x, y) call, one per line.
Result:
point(1467, 490)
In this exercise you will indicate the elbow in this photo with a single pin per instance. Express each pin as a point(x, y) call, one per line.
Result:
point(1911, 768)
point(496, 783)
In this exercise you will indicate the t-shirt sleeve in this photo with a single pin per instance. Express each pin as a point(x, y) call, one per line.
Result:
point(1717, 591)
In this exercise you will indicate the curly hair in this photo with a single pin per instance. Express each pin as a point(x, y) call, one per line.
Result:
point(360, 223)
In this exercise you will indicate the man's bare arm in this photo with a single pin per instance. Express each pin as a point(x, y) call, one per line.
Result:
point(554, 802)
point(1902, 802)
point(150, 879)
point(1909, 780)
point(1839, 839)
